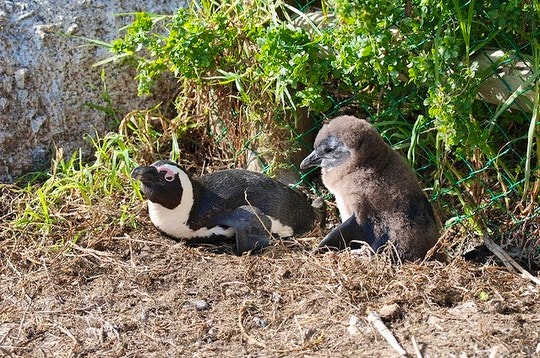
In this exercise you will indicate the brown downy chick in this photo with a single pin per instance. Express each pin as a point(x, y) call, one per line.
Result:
point(378, 196)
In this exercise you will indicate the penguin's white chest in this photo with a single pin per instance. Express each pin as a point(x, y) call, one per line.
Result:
point(174, 223)
point(344, 211)
point(340, 195)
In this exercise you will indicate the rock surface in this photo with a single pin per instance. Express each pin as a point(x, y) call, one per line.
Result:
point(47, 82)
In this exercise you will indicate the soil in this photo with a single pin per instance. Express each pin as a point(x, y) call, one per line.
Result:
point(119, 291)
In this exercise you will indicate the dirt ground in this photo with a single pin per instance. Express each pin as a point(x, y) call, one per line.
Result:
point(123, 292)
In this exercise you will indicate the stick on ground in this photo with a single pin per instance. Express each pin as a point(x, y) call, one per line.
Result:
point(376, 321)
point(508, 261)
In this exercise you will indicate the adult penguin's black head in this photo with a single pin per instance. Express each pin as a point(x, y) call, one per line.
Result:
point(161, 182)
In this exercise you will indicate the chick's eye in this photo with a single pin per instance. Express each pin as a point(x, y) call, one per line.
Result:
point(328, 150)
point(169, 177)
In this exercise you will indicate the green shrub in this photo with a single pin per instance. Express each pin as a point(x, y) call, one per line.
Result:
point(247, 69)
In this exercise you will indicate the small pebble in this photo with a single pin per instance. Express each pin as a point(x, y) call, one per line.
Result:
point(143, 315)
point(353, 326)
point(201, 305)
point(389, 311)
point(72, 29)
point(261, 322)
point(276, 297)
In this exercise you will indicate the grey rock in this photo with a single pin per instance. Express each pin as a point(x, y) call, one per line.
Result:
point(47, 78)
point(201, 305)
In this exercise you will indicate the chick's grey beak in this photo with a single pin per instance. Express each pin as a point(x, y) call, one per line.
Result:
point(312, 160)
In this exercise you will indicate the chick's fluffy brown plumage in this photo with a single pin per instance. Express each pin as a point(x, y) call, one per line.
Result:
point(375, 184)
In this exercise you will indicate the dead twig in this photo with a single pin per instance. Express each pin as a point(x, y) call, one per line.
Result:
point(66, 332)
point(254, 341)
point(268, 230)
point(23, 318)
point(508, 261)
point(379, 325)
point(416, 349)
point(250, 339)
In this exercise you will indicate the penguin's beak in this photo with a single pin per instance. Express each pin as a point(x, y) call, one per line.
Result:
point(312, 160)
point(146, 174)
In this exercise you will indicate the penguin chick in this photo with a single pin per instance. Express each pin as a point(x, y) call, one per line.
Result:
point(235, 202)
point(377, 194)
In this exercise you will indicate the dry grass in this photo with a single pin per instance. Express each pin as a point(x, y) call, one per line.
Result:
point(119, 291)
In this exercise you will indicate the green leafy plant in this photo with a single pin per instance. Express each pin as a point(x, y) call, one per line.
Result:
point(74, 183)
point(248, 72)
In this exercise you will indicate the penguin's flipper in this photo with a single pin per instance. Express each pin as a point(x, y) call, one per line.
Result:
point(252, 228)
point(350, 233)
point(342, 236)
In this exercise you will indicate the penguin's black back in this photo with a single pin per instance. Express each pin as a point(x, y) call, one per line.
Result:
point(217, 194)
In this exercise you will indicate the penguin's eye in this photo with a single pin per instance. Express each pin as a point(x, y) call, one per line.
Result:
point(167, 173)
point(328, 150)
point(330, 146)
point(169, 177)
point(332, 152)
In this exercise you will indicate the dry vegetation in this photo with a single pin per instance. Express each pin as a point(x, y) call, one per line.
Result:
point(84, 273)
point(123, 291)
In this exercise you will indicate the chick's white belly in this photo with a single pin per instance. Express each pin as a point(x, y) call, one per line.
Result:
point(344, 211)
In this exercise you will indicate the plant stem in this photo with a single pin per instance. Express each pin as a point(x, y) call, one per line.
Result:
point(534, 121)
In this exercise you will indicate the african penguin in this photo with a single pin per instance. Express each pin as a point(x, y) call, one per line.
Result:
point(227, 203)
point(377, 194)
